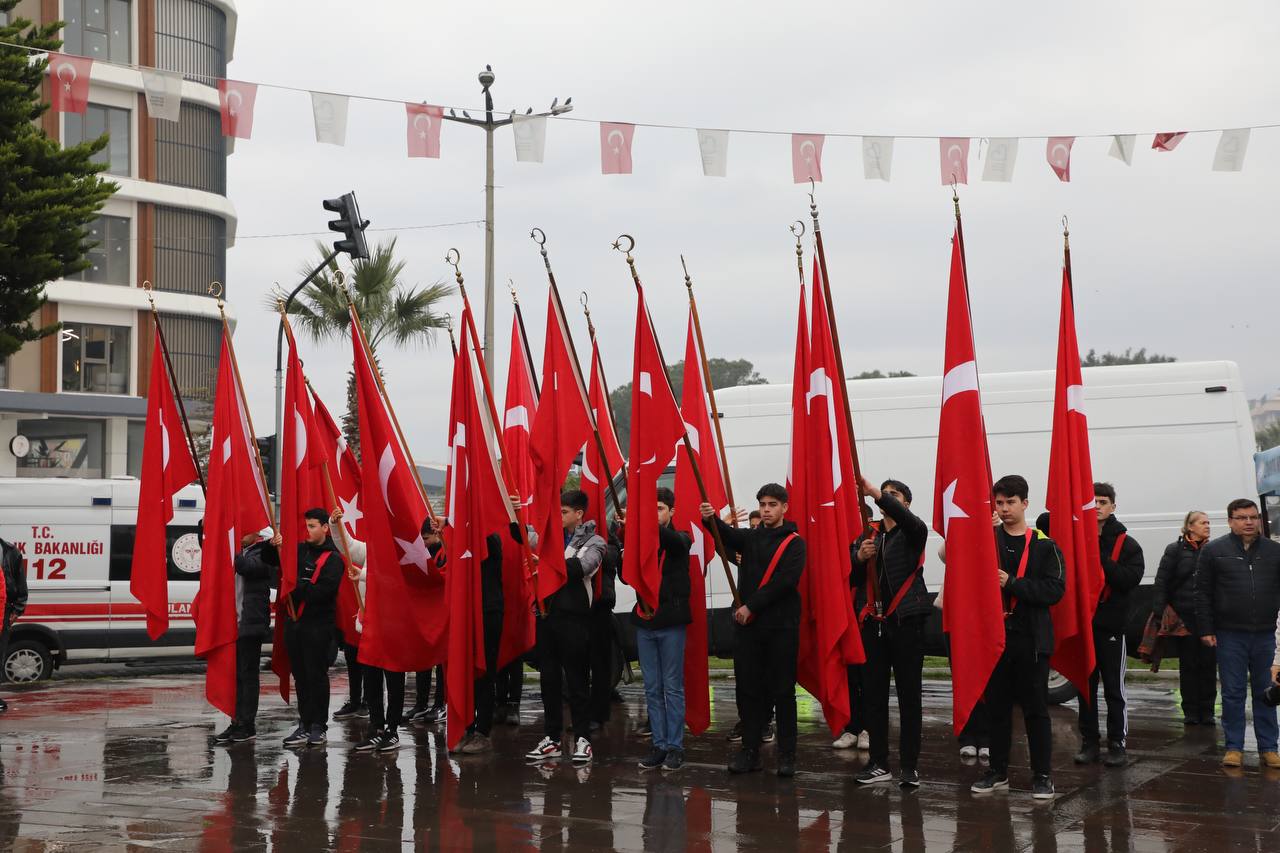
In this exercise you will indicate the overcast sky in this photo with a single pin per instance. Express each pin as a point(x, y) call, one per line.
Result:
point(1166, 253)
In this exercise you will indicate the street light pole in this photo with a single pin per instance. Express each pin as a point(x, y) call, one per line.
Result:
point(489, 124)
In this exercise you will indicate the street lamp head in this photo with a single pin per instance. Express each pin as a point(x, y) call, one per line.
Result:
point(487, 77)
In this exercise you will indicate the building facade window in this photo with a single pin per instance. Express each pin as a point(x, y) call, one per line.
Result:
point(109, 255)
point(99, 29)
point(191, 38)
point(194, 344)
point(191, 250)
point(190, 152)
point(63, 447)
point(95, 359)
point(96, 121)
point(135, 433)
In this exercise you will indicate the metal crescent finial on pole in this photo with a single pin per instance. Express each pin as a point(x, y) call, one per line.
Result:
point(688, 282)
point(799, 232)
point(511, 285)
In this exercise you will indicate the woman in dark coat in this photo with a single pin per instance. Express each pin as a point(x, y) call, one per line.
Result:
point(1175, 587)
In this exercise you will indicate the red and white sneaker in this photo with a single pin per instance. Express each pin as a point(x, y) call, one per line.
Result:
point(546, 748)
point(582, 751)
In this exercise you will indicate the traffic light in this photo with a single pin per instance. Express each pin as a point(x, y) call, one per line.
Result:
point(350, 224)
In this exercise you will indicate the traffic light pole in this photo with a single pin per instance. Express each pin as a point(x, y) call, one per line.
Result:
point(275, 461)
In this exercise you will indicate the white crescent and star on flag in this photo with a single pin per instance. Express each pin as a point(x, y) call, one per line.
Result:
point(950, 509)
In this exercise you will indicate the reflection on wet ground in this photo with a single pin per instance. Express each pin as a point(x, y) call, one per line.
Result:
point(127, 763)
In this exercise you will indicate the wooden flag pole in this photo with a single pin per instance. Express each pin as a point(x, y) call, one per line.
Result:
point(604, 381)
point(524, 341)
point(688, 449)
point(173, 384)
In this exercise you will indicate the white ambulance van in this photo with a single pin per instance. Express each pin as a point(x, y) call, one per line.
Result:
point(76, 538)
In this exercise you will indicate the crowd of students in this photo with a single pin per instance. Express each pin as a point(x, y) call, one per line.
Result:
point(1218, 600)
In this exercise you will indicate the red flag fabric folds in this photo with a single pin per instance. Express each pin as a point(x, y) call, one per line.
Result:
point(696, 412)
point(405, 609)
point(596, 473)
point(477, 508)
point(656, 426)
point(344, 473)
point(167, 466)
point(972, 613)
point(69, 82)
point(519, 630)
point(560, 429)
point(1072, 511)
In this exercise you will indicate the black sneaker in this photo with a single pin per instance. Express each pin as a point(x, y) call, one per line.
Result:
point(244, 733)
point(770, 735)
point(4, 706)
point(1042, 788)
point(362, 711)
point(674, 761)
point(370, 743)
point(297, 738)
point(872, 774)
point(745, 761)
point(786, 765)
point(1116, 756)
point(644, 730)
point(227, 734)
point(1088, 754)
point(318, 736)
point(992, 781)
point(735, 733)
point(347, 711)
point(416, 710)
point(909, 779)
point(654, 759)
point(389, 742)
point(436, 714)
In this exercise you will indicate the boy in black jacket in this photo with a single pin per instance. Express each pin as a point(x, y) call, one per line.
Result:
point(1031, 581)
point(309, 630)
point(1122, 568)
point(887, 562)
point(660, 640)
point(14, 578)
point(767, 635)
point(257, 573)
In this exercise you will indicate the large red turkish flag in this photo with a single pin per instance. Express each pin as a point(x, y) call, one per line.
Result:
point(1072, 511)
point(656, 426)
point(344, 474)
point(167, 466)
point(972, 614)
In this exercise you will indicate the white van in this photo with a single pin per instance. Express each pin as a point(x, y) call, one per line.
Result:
point(76, 537)
point(1170, 438)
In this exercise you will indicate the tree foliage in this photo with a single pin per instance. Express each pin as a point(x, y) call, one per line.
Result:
point(48, 194)
point(724, 374)
point(1268, 437)
point(877, 374)
point(1129, 356)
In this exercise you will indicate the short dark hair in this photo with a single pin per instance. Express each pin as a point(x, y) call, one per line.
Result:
point(1104, 490)
point(318, 514)
point(772, 490)
point(1240, 503)
point(574, 499)
point(1011, 486)
point(666, 496)
point(755, 513)
point(900, 486)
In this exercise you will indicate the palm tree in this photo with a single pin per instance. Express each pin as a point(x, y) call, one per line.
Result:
point(389, 313)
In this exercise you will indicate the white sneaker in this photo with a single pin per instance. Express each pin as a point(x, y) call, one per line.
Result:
point(968, 752)
point(847, 740)
point(864, 740)
point(582, 751)
point(984, 753)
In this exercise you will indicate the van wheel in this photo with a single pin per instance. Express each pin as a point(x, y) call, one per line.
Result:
point(27, 661)
point(1061, 690)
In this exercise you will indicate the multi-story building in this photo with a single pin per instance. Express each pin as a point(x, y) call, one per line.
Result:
point(77, 396)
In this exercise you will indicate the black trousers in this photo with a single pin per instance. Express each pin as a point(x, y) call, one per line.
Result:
point(308, 645)
point(487, 684)
point(355, 673)
point(510, 684)
point(896, 646)
point(563, 661)
point(857, 704)
point(391, 715)
point(1022, 677)
point(1110, 653)
point(977, 730)
point(601, 642)
point(422, 689)
point(764, 668)
point(248, 665)
point(1197, 678)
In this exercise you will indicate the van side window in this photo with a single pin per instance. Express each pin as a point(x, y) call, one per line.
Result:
point(182, 546)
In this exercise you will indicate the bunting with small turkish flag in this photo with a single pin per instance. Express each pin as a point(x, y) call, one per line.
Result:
point(422, 129)
point(1167, 141)
point(405, 608)
point(695, 410)
point(615, 147)
point(806, 156)
point(973, 614)
point(236, 100)
point(1058, 153)
point(656, 426)
point(1073, 512)
point(477, 508)
point(954, 153)
point(167, 466)
point(69, 82)
point(519, 631)
point(560, 428)
point(235, 506)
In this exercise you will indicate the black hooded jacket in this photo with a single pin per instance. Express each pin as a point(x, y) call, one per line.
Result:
point(258, 571)
point(316, 594)
point(897, 557)
point(1122, 576)
point(777, 603)
point(1027, 599)
point(673, 593)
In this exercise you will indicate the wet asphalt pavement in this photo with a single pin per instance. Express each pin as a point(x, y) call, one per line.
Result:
point(127, 763)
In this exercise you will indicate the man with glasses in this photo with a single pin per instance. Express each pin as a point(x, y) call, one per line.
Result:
point(1237, 599)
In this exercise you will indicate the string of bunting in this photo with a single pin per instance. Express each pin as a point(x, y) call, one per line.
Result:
point(237, 99)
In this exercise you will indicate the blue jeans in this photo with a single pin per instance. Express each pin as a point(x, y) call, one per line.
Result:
point(661, 654)
point(1244, 657)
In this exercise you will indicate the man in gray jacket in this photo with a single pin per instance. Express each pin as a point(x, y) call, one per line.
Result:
point(563, 635)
